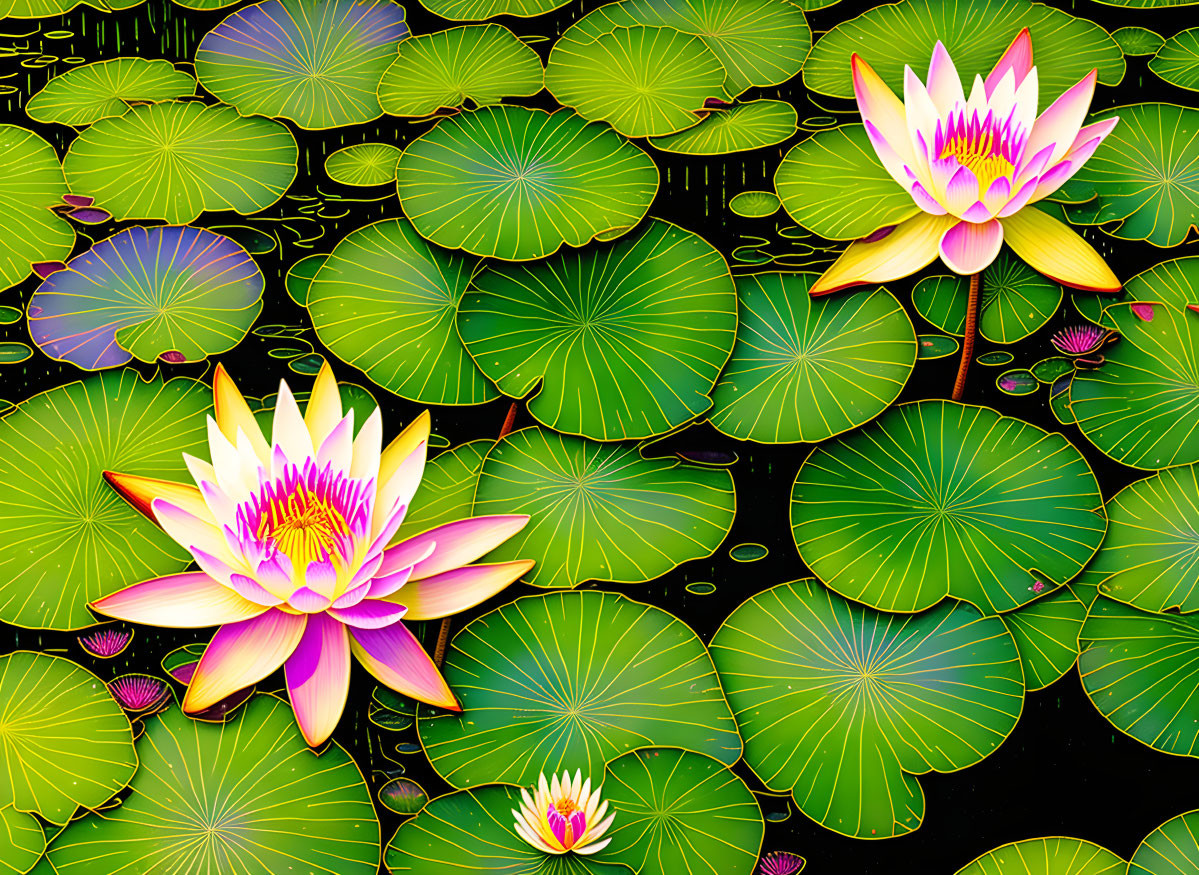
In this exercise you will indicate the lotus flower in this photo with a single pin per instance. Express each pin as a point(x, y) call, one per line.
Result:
point(781, 863)
point(291, 538)
point(1076, 340)
point(972, 167)
point(563, 815)
point(106, 643)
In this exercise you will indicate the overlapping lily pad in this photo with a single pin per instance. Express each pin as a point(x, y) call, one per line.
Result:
point(1137, 40)
point(31, 181)
point(384, 301)
point(447, 488)
point(482, 63)
point(173, 161)
point(601, 511)
point(1171, 849)
point(814, 679)
point(66, 538)
point(315, 62)
point(246, 796)
point(516, 183)
point(22, 841)
point(1046, 634)
point(751, 125)
point(1177, 61)
point(1051, 856)
point(1140, 406)
point(87, 94)
point(806, 369)
point(146, 292)
point(364, 164)
point(754, 204)
point(624, 340)
point(628, 676)
point(1142, 672)
point(936, 498)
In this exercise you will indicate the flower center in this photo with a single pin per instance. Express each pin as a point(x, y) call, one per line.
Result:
point(566, 807)
point(980, 156)
point(302, 524)
point(985, 146)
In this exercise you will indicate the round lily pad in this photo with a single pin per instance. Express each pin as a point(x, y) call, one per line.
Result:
point(482, 63)
point(403, 796)
point(1138, 40)
point(303, 807)
point(1051, 856)
point(64, 740)
point(66, 537)
point(364, 164)
point(936, 498)
point(936, 346)
point(31, 182)
point(1046, 634)
point(89, 93)
point(315, 62)
point(1050, 370)
point(173, 161)
point(1018, 381)
point(754, 204)
point(892, 36)
point(751, 125)
point(601, 511)
point(995, 358)
point(1140, 406)
point(621, 340)
point(678, 811)
point(447, 489)
point(1174, 283)
point(518, 183)
point(805, 369)
point(814, 679)
point(1142, 672)
point(145, 292)
point(1177, 61)
point(300, 276)
point(13, 352)
point(384, 301)
point(1171, 849)
point(826, 181)
point(22, 841)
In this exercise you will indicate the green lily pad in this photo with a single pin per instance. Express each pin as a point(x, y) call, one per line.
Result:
point(892, 36)
point(621, 340)
point(1138, 40)
point(173, 161)
point(447, 489)
point(806, 369)
point(533, 705)
point(66, 537)
point(174, 822)
point(384, 301)
point(1140, 406)
point(678, 811)
point(1171, 849)
point(86, 94)
point(936, 498)
point(833, 184)
point(936, 346)
point(995, 358)
point(1059, 405)
point(10, 315)
point(1141, 671)
point(31, 181)
point(22, 841)
point(751, 125)
point(814, 679)
point(1146, 175)
point(644, 81)
point(700, 587)
point(314, 62)
point(471, 832)
point(1051, 856)
point(1046, 634)
point(482, 63)
point(365, 164)
point(748, 552)
point(1177, 61)
point(403, 796)
point(601, 511)
point(13, 352)
point(1048, 371)
point(1174, 283)
point(516, 183)
point(300, 276)
point(754, 204)
point(1018, 381)
point(65, 741)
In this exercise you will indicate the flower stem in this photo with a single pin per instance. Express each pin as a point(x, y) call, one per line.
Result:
point(959, 385)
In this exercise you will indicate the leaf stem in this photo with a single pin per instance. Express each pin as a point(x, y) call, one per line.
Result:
point(959, 385)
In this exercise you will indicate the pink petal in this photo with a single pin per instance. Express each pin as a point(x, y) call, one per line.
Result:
point(578, 824)
point(557, 824)
point(457, 543)
point(308, 601)
point(1090, 132)
point(967, 248)
point(178, 601)
point(381, 587)
point(944, 83)
point(318, 677)
point(978, 212)
point(880, 107)
point(250, 589)
point(1017, 58)
point(1052, 179)
point(998, 194)
point(1020, 199)
point(241, 654)
point(370, 614)
point(1060, 123)
point(353, 596)
point(926, 201)
point(396, 659)
point(189, 530)
point(452, 592)
point(962, 191)
point(893, 162)
point(321, 577)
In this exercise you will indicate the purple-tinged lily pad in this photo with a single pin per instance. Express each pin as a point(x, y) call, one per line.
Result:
point(1017, 382)
point(45, 268)
point(89, 215)
point(78, 200)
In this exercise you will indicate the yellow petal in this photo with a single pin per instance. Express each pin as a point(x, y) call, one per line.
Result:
point(141, 492)
point(324, 406)
point(232, 413)
point(911, 246)
point(1053, 249)
point(403, 445)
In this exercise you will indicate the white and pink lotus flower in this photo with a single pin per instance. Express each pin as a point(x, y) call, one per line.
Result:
point(972, 167)
point(293, 540)
point(564, 815)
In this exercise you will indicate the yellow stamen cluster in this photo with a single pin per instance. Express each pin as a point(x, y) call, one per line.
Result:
point(980, 156)
point(303, 526)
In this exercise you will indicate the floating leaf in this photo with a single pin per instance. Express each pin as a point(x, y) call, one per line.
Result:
point(755, 204)
point(814, 679)
point(1017, 382)
point(1171, 849)
point(173, 822)
point(145, 292)
point(1138, 41)
point(89, 93)
point(678, 811)
point(1177, 61)
point(10, 315)
point(936, 498)
point(31, 182)
point(384, 301)
point(1050, 370)
point(805, 369)
point(748, 552)
point(66, 537)
point(13, 352)
point(300, 276)
point(22, 841)
point(365, 164)
point(65, 742)
point(700, 587)
point(482, 63)
point(996, 358)
point(466, 184)
point(751, 125)
point(936, 346)
point(1046, 634)
point(601, 511)
point(1052, 856)
point(173, 161)
point(447, 489)
point(533, 705)
point(403, 796)
point(622, 340)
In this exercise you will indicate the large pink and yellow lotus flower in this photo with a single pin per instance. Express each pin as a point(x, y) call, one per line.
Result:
point(292, 540)
point(972, 167)
point(563, 815)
